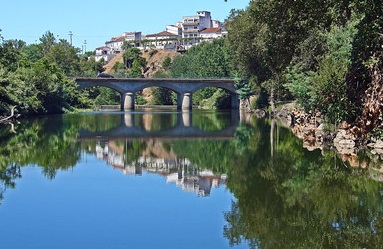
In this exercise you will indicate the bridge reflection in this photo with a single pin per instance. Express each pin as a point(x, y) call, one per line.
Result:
point(183, 129)
point(133, 148)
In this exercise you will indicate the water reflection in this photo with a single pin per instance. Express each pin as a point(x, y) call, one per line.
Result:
point(176, 170)
point(285, 196)
point(169, 125)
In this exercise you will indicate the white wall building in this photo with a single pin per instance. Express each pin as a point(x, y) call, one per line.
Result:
point(116, 42)
point(162, 40)
point(103, 52)
point(177, 30)
point(192, 25)
point(211, 33)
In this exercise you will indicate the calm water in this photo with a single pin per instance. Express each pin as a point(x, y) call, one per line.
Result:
point(164, 179)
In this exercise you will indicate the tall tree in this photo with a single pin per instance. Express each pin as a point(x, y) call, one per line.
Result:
point(47, 41)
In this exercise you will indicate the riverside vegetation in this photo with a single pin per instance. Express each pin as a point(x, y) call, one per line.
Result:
point(325, 55)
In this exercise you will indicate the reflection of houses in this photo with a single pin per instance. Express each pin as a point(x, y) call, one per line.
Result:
point(200, 182)
point(179, 171)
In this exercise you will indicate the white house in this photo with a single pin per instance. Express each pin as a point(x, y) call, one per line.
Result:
point(132, 36)
point(211, 33)
point(192, 25)
point(174, 29)
point(162, 39)
point(103, 52)
point(216, 24)
point(116, 42)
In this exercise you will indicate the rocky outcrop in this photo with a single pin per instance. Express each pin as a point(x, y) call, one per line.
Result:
point(346, 139)
point(306, 126)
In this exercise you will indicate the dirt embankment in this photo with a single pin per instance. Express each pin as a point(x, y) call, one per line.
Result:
point(154, 59)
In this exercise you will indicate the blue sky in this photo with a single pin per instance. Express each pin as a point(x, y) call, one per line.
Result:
point(97, 21)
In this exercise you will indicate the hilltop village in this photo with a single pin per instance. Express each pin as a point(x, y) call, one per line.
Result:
point(179, 37)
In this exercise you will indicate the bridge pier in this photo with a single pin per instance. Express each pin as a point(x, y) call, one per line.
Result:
point(235, 103)
point(129, 119)
point(127, 101)
point(184, 101)
point(184, 119)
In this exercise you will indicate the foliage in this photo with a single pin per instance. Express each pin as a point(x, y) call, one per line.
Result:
point(166, 64)
point(161, 96)
point(131, 55)
point(65, 57)
point(107, 96)
point(326, 89)
point(135, 70)
point(209, 59)
point(89, 67)
point(219, 100)
point(152, 52)
point(293, 43)
point(34, 77)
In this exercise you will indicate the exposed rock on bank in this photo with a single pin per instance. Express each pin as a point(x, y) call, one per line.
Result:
point(311, 129)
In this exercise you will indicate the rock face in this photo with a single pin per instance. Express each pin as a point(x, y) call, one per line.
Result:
point(346, 139)
point(306, 126)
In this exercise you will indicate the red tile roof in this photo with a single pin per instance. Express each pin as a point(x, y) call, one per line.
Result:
point(163, 33)
point(212, 30)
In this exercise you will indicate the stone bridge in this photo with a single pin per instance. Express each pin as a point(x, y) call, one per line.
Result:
point(184, 88)
point(182, 130)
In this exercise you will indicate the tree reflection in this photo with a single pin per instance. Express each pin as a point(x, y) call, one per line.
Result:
point(290, 198)
point(49, 143)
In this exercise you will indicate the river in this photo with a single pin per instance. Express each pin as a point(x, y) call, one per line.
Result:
point(168, 179)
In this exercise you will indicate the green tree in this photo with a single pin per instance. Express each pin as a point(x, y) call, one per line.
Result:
point(65, 57)
point(135, 71)
point(209, 59)
point(245, 89)
point(47, 41)
point(166, 64)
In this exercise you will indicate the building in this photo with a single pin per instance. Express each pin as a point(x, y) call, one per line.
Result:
point(190, 31)
point(103, 52)
point(174, 29)
point(216, 24)
point(211, 33)
point(132, 36)
point(162, 39)
point(193, 25)
point(116, 42)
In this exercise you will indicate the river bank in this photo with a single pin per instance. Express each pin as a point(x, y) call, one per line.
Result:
point(316, 134)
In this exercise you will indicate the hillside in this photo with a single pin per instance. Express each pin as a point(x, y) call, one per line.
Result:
point(154, 60)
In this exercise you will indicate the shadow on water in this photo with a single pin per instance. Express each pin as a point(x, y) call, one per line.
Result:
point(285, 195)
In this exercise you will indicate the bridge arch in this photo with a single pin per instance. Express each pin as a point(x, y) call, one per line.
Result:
point(86, 85)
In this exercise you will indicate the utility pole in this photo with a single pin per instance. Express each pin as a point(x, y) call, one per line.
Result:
point(84, 46)
point(70, 37)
